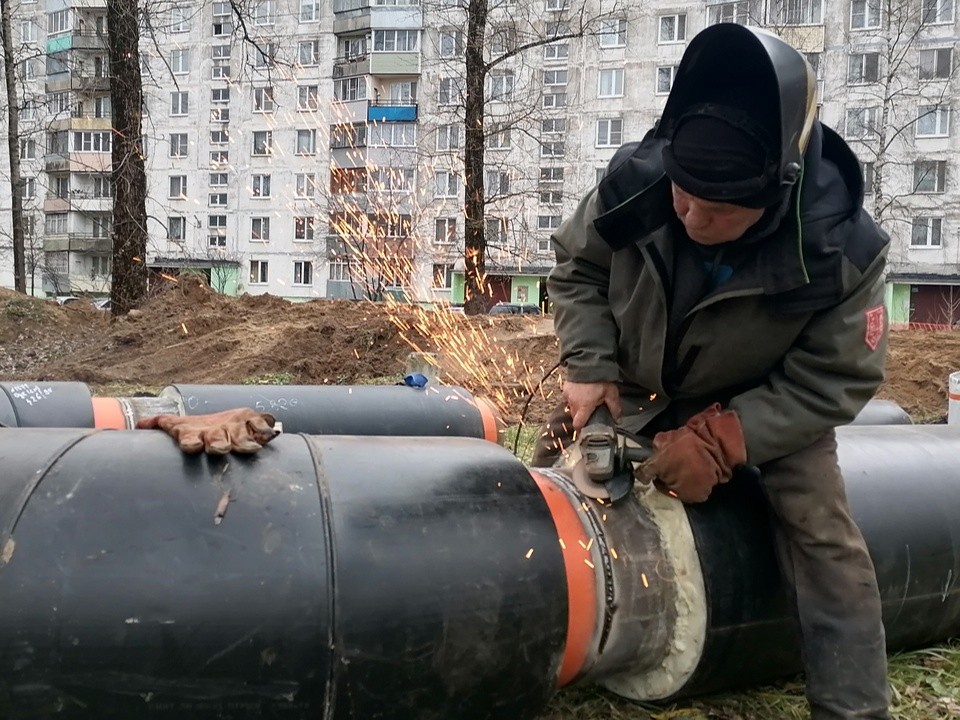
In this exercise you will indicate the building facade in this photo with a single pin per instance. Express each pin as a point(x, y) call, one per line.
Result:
point(312, 149)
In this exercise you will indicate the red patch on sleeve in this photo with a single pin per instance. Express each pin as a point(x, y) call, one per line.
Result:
point(876, 324)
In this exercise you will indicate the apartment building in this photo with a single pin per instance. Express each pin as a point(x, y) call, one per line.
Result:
point(316, 149)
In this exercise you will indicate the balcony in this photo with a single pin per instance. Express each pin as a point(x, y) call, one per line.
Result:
point(378, 63)
point(88, 40)
point(351, 16)
point(89, 83)
point(77, 242)
point(79, 162)
point(391, 111)
point(56, 162)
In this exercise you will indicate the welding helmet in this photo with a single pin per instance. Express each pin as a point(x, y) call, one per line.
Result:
point(739, 116)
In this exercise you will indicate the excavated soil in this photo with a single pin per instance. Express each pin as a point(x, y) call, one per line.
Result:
point(188, 333)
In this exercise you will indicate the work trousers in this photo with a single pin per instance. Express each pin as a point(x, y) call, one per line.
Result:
point(829, 577)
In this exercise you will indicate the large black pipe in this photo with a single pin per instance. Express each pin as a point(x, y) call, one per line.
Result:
point(397, 410)
point(413, 577)
point(327, 577)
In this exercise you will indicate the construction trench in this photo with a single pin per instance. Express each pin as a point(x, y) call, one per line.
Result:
point(381, 559)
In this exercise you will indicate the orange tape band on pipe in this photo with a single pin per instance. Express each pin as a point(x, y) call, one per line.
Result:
point(107, 414)
point(581, 580)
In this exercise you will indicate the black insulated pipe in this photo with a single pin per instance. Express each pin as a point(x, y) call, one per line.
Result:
point(326, 577)
point(45, 404)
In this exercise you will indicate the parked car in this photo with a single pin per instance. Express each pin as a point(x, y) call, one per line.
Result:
point(515, 309)
point(66, 299)
point(102, 303)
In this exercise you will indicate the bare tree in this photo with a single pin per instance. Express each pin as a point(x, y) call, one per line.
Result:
point(129, 177)
point(13, 149)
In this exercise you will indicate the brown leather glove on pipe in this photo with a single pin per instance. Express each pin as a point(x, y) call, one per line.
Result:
point(243, 430)
point(690, 461)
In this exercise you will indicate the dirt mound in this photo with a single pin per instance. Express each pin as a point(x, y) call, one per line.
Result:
point(188, 333)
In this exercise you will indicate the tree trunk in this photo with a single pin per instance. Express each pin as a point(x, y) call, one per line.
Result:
point(475, 301)
point(129, 235)
point(13, 149)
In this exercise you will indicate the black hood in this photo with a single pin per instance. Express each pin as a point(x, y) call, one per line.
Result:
point(730, 64)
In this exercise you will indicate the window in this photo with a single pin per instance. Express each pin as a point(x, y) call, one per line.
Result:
point(102, 186)
point(101, 225)
point(348, 89)
point(933, 121)
point(448, 137)
point(446, 231)
point(861, 122)
point(496, 183)
point(339, 270)
point(306, 185)
point(864, 14)
point(556, 52)
point(179, 20)
point(309, 10)
point(176, 227)
point(58, 22)
point(219, 180)
point(926, 232)
point(937, 11)
point(390, 225)
point(447, 184)
point(554, 100)
point(260, 229)
point(29, 31)
point(501, 85)
point(868, 177)
point(613, 32)
point(263, 142)
point(258, 272)
point(263, 99)
point(302, 272)
point(260, 186)
point(180, 61)
point(29, 188)
point(556, 29)
point(217, 199)
point(449, 92)
point(28, 149)
point(308, 52)
point(548, 222)
point(495, 230)
point(179, 103)
point(219, 137)
point(502, 39)
point(219, 157)
point(308, 97)
point(609, 132)
point(665, 78)
point(403, 92)
point(178, 187)
point(222, 19)
point(499, 137)
point(217, 222)
point(556, 5)
point(61, 187)
point(863, 68)
point(450, 44)
point(348, 181)
point(798, 12)
point(100, 265)
point(551, 197)
point(220, 96)
point(443, 276)
point(264, 12)
point(553, 126)
point(555, 78)
point(611, 83)
point(552, 149)
point(936, 64)
point(100, 142)
point(219, 115)
point(730, 12)
point(672, 28)
point(551, 175)
point(393, 179)
point(351, 48)
point(55, 223)
point(304, 227)
point(306, 142)
point(929, 176)
point(394, 134)
point(264, 55)
point(395, 40)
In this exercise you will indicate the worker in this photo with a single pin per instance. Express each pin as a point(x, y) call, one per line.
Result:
point(721, 292)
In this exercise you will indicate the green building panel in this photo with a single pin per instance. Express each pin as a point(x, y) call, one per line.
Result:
point(897, 300)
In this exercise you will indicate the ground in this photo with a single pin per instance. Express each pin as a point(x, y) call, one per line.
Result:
point(188, 333)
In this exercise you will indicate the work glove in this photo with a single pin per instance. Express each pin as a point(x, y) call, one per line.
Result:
point(690, 461)
point(243, 430)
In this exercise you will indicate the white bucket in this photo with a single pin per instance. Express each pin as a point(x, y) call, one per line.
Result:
point(953, 393)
